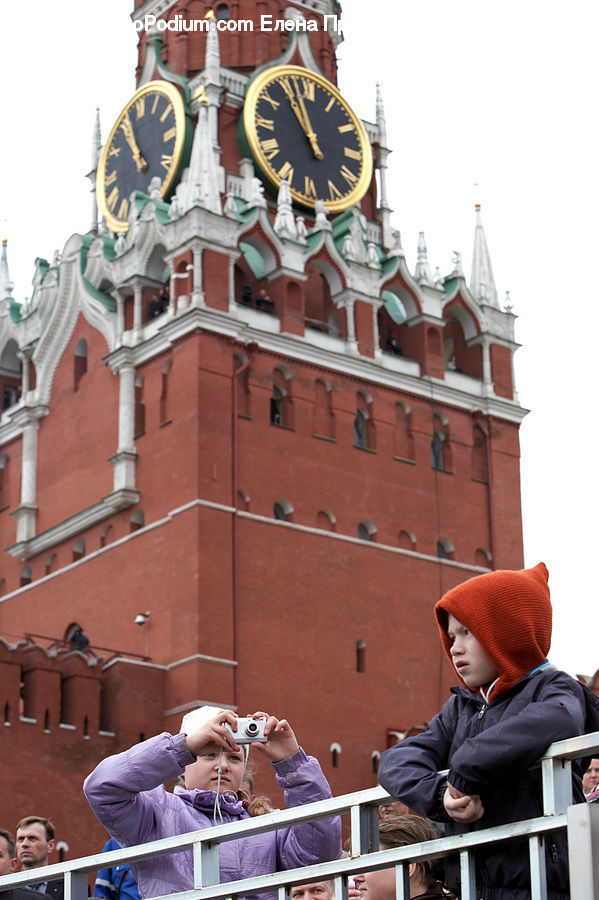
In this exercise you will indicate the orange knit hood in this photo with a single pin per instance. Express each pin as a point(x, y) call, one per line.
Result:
point(509, 613)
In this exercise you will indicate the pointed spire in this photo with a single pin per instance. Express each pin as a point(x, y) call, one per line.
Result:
point(212, 60)
point(380, 117)
point(423, 274)
point(6, 285)
point(284, 223)
point(96, 141)
point(482, 282)
point(201, 187)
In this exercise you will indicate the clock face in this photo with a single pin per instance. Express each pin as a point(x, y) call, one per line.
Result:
point(148, 139)
point(300, 128)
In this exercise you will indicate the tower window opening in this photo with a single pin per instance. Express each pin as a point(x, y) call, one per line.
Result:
point(360, 656)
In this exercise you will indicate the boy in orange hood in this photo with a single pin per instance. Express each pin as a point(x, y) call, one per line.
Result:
point(511, 704)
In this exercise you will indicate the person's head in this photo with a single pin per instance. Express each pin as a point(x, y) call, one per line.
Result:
point(203, 774)
point(398, 831)
point(470, 661)
point(34, 841)
point(509, 615)
point(392, 808)
point(315, 890)
point(590, 779)
point(8, 863)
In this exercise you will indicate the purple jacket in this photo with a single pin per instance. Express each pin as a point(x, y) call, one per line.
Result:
point(126, 794)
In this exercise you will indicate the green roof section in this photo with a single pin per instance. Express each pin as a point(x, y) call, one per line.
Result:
point(15, 310)
point(253, 259)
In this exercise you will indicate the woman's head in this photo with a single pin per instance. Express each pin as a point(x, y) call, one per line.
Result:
point(398, 831)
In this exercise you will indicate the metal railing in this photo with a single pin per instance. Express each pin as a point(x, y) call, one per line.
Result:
point(581, 821)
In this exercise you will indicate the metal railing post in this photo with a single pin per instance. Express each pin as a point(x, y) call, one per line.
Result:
point(538, 873)
point(557, 785)
point(583, 850)
point(75, 886)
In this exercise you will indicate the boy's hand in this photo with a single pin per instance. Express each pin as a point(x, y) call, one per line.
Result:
point(462, 807)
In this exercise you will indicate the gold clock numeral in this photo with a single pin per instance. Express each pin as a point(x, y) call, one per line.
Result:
point(266, 96)
point(261, 122)
point(329, 105)
point(349, 176)
point(166, 160)
point(347, 127)
point(166, 112)
point(140, 107)
point(309, 88)
point(114, 151)
point(112, 199)
point(169, 135)
point(309, 187)
point(286, 171)
point(155, 104)
point(270, 148)
point(110, 179)
point(123, 209)
point(353, 154)
point(334, 192)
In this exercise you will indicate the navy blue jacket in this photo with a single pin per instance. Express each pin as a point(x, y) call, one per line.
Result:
point(489, 751)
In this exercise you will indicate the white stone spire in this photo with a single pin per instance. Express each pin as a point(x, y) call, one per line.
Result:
point(482, 282)
point(6, 284)
point(380, 117)
point(423, 274)
point(384, 209)
point(96, 150)
point(201, 185)
point(284, 223)
point(212, 59)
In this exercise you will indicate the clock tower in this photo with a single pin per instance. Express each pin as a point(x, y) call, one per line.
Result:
point(245, 447)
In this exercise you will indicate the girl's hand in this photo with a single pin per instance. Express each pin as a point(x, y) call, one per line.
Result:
point(213, 731)
point(462, 807)
point(281, 739)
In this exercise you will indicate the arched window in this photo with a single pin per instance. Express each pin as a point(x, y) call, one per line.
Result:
point(483, 558)
point(366, 530)
point(243, 500)
point(376, 758)
point(364, 430)
point(406, 539)
point(335, 751)
point(441, 456)
point(50, 562)
point(47, 721)
point(403, 441)
point(140, 408)
point(25, 575)
point(7, 713)
point(79, 362)
point(164, 419)
point(326, 520)
point(106, 535)
point(445, 549)
point(281, 403)
point(78, 549)
point(137, 520)
point(222, 11)
point(323, 419)
point(283, 510)
point(478, 461)
point(360, 656)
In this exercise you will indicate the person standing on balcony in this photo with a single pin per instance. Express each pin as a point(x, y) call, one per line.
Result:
point(126, 794)
point(510, 706)
point(35, 841)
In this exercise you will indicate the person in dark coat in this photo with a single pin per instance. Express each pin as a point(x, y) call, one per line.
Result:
point(511, 705)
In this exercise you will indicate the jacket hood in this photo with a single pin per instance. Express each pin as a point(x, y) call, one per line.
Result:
point(509, 613)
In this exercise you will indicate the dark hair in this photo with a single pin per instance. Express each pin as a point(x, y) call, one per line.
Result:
point(398, 831)
point(33, 820)
point(10, 841)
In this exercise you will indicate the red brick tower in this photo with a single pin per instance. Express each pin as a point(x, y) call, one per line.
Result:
point(252, 500)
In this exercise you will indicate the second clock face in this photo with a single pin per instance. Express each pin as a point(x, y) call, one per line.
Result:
point(147, 140)
point(300, 128)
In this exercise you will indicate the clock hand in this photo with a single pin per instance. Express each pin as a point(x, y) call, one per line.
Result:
point(130, 138)
point(310, 133)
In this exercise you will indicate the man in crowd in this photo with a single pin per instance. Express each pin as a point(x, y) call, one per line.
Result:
point(8, 863)
point(35, 841)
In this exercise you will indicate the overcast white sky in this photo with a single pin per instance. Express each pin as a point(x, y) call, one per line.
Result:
point(486, 100)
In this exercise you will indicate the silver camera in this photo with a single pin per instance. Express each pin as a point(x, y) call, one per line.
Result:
point(249, 731)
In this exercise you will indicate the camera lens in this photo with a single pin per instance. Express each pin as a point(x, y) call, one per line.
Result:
point(251, 728)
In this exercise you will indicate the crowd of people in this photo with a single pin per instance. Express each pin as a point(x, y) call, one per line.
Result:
point(510, 704)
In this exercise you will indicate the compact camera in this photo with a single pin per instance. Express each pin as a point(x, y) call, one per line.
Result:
point(249, 731)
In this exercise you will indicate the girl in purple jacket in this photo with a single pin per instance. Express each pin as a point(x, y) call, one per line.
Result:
point(126, 793)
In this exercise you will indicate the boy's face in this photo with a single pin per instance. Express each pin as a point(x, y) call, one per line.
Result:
point(470, 660)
